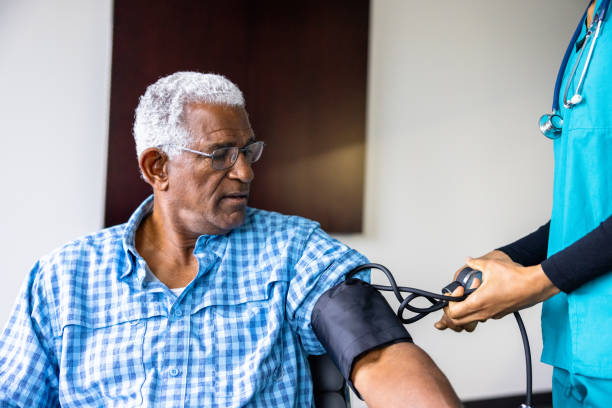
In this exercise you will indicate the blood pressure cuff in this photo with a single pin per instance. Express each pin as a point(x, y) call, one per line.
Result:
point(353, 318)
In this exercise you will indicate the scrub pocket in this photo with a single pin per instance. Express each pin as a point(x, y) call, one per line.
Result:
point(579, 391)
point(591, 320)
point(567, 392)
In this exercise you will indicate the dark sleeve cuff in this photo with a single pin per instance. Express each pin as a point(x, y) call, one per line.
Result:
point(352, 319)
point(557, 276)
point(584, 260)
point(531, 249)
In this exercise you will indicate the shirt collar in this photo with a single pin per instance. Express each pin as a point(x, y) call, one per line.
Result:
point(205, 243)
point(129, 236)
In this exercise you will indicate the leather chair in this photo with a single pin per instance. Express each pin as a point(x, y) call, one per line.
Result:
point(330, 389)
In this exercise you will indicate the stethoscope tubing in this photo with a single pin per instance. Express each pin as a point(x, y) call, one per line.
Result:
point(598, 19)
point(551, 124)
point(566, 56)
point(571, 103)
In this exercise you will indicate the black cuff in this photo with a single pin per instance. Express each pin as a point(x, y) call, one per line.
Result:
point(352, 319)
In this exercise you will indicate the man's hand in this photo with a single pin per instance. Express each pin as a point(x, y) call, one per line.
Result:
point(402, 375)
point(506, 288)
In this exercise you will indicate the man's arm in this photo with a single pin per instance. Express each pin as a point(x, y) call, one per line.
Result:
point(402, 375)
point(374, 351)
point(352, 322)
point(28, 370)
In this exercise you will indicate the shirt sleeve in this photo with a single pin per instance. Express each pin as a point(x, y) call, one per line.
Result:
point(584, 260)
point(28, 367)
point(531, 249)
point(322, 264)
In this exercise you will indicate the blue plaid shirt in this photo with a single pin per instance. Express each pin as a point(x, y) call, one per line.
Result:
point(88, 330)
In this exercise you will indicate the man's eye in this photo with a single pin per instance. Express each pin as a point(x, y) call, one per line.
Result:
point(221, 154)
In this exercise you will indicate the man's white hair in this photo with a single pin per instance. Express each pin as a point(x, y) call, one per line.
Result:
point(159, 115)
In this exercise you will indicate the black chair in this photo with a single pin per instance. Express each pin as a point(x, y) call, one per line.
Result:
point(330, 389)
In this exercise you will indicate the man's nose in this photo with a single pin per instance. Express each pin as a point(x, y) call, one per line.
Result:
point(242, 170)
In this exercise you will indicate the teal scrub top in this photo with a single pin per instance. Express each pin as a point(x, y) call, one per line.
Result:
point(577, 327)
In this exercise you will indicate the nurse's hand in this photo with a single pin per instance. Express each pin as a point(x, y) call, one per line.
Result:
point(446, 322)
point(506, 288)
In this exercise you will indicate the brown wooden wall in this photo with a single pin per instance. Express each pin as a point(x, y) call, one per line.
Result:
point(302, 66)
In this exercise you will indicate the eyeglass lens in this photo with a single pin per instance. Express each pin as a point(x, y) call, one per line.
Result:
point(226, 157)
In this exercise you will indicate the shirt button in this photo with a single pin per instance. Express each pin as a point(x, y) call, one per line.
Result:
point(178, 312)
point(174, 372)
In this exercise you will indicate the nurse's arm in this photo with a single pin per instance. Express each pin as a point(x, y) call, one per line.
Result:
point(402, 375)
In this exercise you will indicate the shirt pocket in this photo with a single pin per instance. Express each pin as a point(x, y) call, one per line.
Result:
point(105, 362)
point(248, 348)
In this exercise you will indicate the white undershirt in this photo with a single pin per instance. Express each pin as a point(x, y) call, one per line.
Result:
point(178, 291)
point(152, 278)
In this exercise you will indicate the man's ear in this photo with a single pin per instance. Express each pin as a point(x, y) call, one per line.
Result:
point(154, 167)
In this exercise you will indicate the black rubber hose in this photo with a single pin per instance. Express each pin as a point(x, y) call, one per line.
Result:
point(438, 301)
point(527, 358)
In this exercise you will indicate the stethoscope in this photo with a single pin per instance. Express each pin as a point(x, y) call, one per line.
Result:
point(552, 123)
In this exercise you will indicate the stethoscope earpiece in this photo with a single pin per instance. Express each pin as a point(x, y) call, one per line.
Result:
point(576, 99)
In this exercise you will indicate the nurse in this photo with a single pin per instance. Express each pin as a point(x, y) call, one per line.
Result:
point(566, 263)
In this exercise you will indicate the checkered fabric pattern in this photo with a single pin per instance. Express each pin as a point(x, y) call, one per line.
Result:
point(88, 330)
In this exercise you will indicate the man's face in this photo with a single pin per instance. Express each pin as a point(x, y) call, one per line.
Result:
point(205, 200)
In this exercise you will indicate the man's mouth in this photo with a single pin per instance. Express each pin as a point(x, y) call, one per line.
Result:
point(236, 197)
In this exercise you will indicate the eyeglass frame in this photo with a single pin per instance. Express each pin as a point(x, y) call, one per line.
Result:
point(212, 154)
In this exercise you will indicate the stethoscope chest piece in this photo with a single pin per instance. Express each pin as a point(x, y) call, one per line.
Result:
point(551, 125)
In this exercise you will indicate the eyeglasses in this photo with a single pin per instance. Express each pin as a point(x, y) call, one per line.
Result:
point(225, 157)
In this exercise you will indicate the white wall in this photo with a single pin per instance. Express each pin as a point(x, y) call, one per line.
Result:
point(54, 77)
point(455, 164)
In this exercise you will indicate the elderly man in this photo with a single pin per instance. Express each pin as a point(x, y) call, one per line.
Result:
point(198, 300)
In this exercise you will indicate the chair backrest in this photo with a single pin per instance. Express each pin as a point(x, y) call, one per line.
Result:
point(330, 390)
